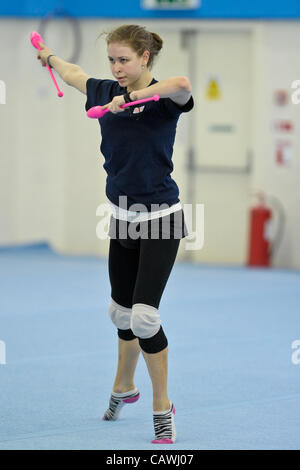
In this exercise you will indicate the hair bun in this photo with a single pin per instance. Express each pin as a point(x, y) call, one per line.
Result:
point(157, 41)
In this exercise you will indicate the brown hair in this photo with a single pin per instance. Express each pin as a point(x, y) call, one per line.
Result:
point(138, 38)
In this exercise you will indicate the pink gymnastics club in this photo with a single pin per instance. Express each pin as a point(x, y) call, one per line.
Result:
point(97, 112)
point(35, 38)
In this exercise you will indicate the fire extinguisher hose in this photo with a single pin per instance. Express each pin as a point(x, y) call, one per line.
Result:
point(274, 246)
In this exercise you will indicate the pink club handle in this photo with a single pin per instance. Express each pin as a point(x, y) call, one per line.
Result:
point(97, 112)
point(35, 38)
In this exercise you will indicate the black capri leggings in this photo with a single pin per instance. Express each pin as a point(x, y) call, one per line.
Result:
point(138, 271)
point(140, 275)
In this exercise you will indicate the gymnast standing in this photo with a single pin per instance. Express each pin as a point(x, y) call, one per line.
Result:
point(147, 220)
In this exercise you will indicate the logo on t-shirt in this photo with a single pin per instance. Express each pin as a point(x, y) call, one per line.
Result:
point(138, 110)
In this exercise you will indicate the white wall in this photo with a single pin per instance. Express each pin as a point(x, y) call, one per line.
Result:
point(51, 175)
point(276, 66)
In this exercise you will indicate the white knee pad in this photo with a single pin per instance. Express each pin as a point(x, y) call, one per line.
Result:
point(119, 315)
point(145, 321)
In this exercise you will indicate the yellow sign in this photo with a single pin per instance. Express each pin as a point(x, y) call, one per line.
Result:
point(213, 90)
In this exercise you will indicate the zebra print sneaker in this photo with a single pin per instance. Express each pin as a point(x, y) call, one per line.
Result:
point(164, 426)
point(117, 401)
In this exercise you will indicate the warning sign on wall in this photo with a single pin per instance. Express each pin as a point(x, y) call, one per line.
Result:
point(213, 89)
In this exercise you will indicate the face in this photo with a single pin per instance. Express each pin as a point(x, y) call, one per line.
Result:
point(125, 64)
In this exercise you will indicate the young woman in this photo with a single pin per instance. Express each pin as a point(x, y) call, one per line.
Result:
point(147, 220)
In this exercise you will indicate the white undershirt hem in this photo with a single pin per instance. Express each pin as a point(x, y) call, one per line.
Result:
point(132, 216)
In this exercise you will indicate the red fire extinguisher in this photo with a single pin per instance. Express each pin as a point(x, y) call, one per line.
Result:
point(261, 245)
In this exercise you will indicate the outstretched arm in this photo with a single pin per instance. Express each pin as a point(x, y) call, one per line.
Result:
point(179, 89)
point(71, 74)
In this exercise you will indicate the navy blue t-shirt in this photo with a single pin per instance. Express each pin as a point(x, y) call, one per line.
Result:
point(137, 147)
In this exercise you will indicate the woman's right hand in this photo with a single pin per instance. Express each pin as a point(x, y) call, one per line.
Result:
point(43, 54)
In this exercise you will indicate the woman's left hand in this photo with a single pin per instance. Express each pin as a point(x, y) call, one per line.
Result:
point(114, 105)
